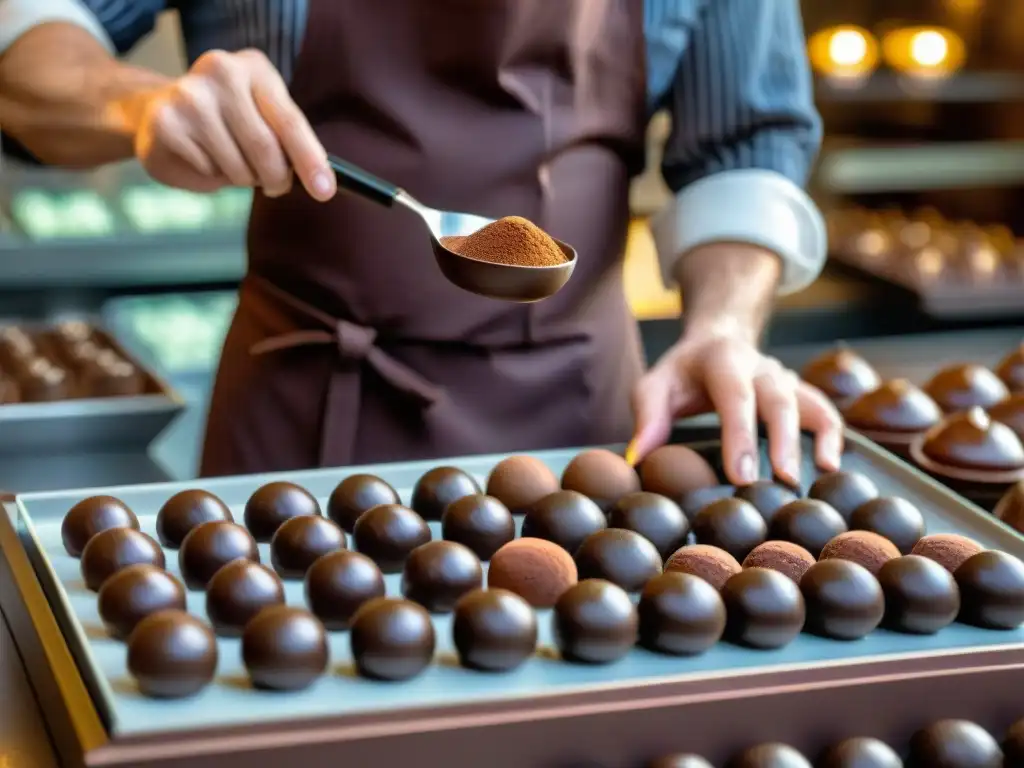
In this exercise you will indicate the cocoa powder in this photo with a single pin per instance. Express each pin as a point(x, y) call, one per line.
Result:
point(512, 240)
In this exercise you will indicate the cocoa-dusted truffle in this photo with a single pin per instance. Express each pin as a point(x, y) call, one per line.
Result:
point(1011, 413)
point(843, 491)
point(680, 614)
point(783, 556)
point(921, 597)
point(991, 590)
point(601, 475)
point(808, 522)
point(519, 482)
point(480, 522)
point(844, 601)
point(595, 622)
point(841, 374)
point(392, 639)
point(766, 496)
point(950, 550)
point(284, 648)
point(962, 386)
point(171, 655)
point(440, 487)
point(714, 565)
point(565, 518)
point(622, 557)
point(357, 494)
point(764, 609)
point(494, 630)
point(897, 406)
point(972, 440)
point(1011, 370)
point(186, 510)
point(1010, 508)
point(91, 516)
point(301, 541)
point(388, 533)
point(135, 592)
point(274, 503)
point(115, 548)
point(657, 518)
point(772, 755)
point(438, 573)
point(339, 583)
point(860, 752)
point(954, 743)
point(892, 517)
point(862, 547)
point(673, 470)
point(211, 546)
point(730, 524)
point(237, 592)
point(536, 570)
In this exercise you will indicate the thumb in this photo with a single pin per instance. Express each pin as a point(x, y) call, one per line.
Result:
point(652, 413)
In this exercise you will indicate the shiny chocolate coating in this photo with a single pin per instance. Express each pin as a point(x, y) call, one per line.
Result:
point(897, 406)
point(300, 541)
point(892, 517)
point(954, 744)
point(91, 516)
point(972, 440)
point(338, 584)
point(595, 622)
point(184, 511)
point(42, 381)
point(388, 533)
point(674, 470)
point(135, 592)
point(766, 496)
point(730, 524)
point(921, 597)
point(860, 752)
point(274, 503)
point(680, 761)
point(519, 482)
point(841, 374)
point(843, 491)
point(843, 600)
point(622, 557)
point(764, 609)
point(1013, 747)
point(494, 630)
point(564, 518)
point(680, 614)
point(600, 475)
point(482, 523)
point(284, 648)
point(440, 487)
point(1011, 413)
point(116, 548)
point(357, 494)
point(809, 523)
point(960, 387)
point(437, 574)
point(392, 639)
point(991, 590)
point(211, 546)
point(771, 755)
point(237, 592)
point(657, 518)
point(172, 654)
point(693, 502)
point(1011, 370)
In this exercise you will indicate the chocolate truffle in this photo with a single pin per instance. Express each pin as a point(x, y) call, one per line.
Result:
point(680, 614)
point(954, 744)
point(959, 387)
point(766, 496)
point(764, 609)
point(392, 639)
point(770, 755)
point(785, 557)
point(1010, 508)
point(680, 761)
point(44, 382)
point(388, 533)
point(438, 573)
point(808, 522)
point(1013, 747)
point(440, 487)
point(135, 592)
point(714, 565)
point(843, 491)
point(519, 482)
point(657, 518)
point(301, 541)
point(693, 502)
point(184, 511)
point(538, 571)
point(991, 590)
point(602, 475)
point(211, 546)
point(841, 374)
point(843, 600)
point(595, 622)
point(565, 518)
point(730, 524)
point(237, 592)
point(950, 550)
point(860, 752)
point(108, 375)
point(897, 406)
point(861, 547)
point(622, 557)
point(479, 522)
point(972, 440)
point(1011, 370)
point(171, 655)
point(494, 630)
point(1011, 413)
point(892, 517)
point(273, 504)
point(284, 648)
point(921, 597)
point(339, 583)
point(115, 548)
point(9, 392)
point(674, 470)
point(91, 516)
point(357, 494)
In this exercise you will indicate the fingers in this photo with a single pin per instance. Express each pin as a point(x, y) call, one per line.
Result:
point(651, 414)
point(779, 410)
point(818, 415)
point(200, 106)
point(729, 385)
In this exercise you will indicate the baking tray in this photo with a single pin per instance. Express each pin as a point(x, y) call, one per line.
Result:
point(101, 720)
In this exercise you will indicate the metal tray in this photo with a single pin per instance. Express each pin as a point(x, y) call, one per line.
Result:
point(457, 714)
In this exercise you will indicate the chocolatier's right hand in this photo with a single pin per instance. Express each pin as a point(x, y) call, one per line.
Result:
point(230, 121)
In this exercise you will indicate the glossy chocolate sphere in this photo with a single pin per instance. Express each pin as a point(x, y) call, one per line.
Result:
point(273, 504)
point(680, 614)
point(115, 548)
point(764, 609)
point(921, 597)
point(674, 470)
point(237, 592)
point(1011, 370)
point(766, 496)
point(135, 592)
point(440, 487)
point(284, 648)
point(972, 440)
point(595, 622)
point(301, 541)
point(564, 518)
point(693, 502)
point(392, 639)
point(959, 387)
point(339, 583)
point(186, 510)
point(843, 600)
point(388, 533)
point(494, 630)
point(809, 523)
point(730, 524)
point(861, 547)
point(891, 517)
point(437, 574)
point(772, 755)
point(1011, 413)
point(841, 374)
point(954, 744)
point(897, 406)
point(991, 590)
point(479, 522)
point(860, 752)
point(714, 565)
point(843, 491)
point(1010, 508)
point(519, 482)
point(538, 571)
point(357, 494)
point(657, 518)
point(211, 546)
point(622, 557)
point(172, 654)
point(601, 475)
point(787, 558)
point(91, 516)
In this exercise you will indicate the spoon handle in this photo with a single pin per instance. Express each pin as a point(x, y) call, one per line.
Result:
point(363, 183)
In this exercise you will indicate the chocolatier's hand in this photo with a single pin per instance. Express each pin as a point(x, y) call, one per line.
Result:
point(729, 375)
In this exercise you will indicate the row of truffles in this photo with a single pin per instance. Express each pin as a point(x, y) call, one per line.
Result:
point(69, 360)
point(943, 744)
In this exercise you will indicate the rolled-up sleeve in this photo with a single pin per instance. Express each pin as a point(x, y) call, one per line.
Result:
point(745, 135)
point(19, 16)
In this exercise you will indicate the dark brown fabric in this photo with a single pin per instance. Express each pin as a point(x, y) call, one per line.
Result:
point(348, 344)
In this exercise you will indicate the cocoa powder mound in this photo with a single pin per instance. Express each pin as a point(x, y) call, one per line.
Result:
point(512, 240)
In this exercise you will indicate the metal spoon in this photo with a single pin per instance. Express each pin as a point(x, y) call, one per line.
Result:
point(484, 278)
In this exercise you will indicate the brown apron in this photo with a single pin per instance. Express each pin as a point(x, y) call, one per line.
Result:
point(348, 345)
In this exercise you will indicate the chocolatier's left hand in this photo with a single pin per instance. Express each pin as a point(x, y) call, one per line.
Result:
point(729, 375)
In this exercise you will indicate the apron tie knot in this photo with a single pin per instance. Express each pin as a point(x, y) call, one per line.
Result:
point(354, 341)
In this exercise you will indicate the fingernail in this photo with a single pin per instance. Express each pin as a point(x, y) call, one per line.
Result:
point(746, 468)
point(631, 453)
point(322, 183)
point(834, 450)
point(792, 469)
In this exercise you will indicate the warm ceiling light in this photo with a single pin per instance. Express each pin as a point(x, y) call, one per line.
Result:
point(929, 48)
point(847, 48)
point(844, 51)
point(924, 51)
